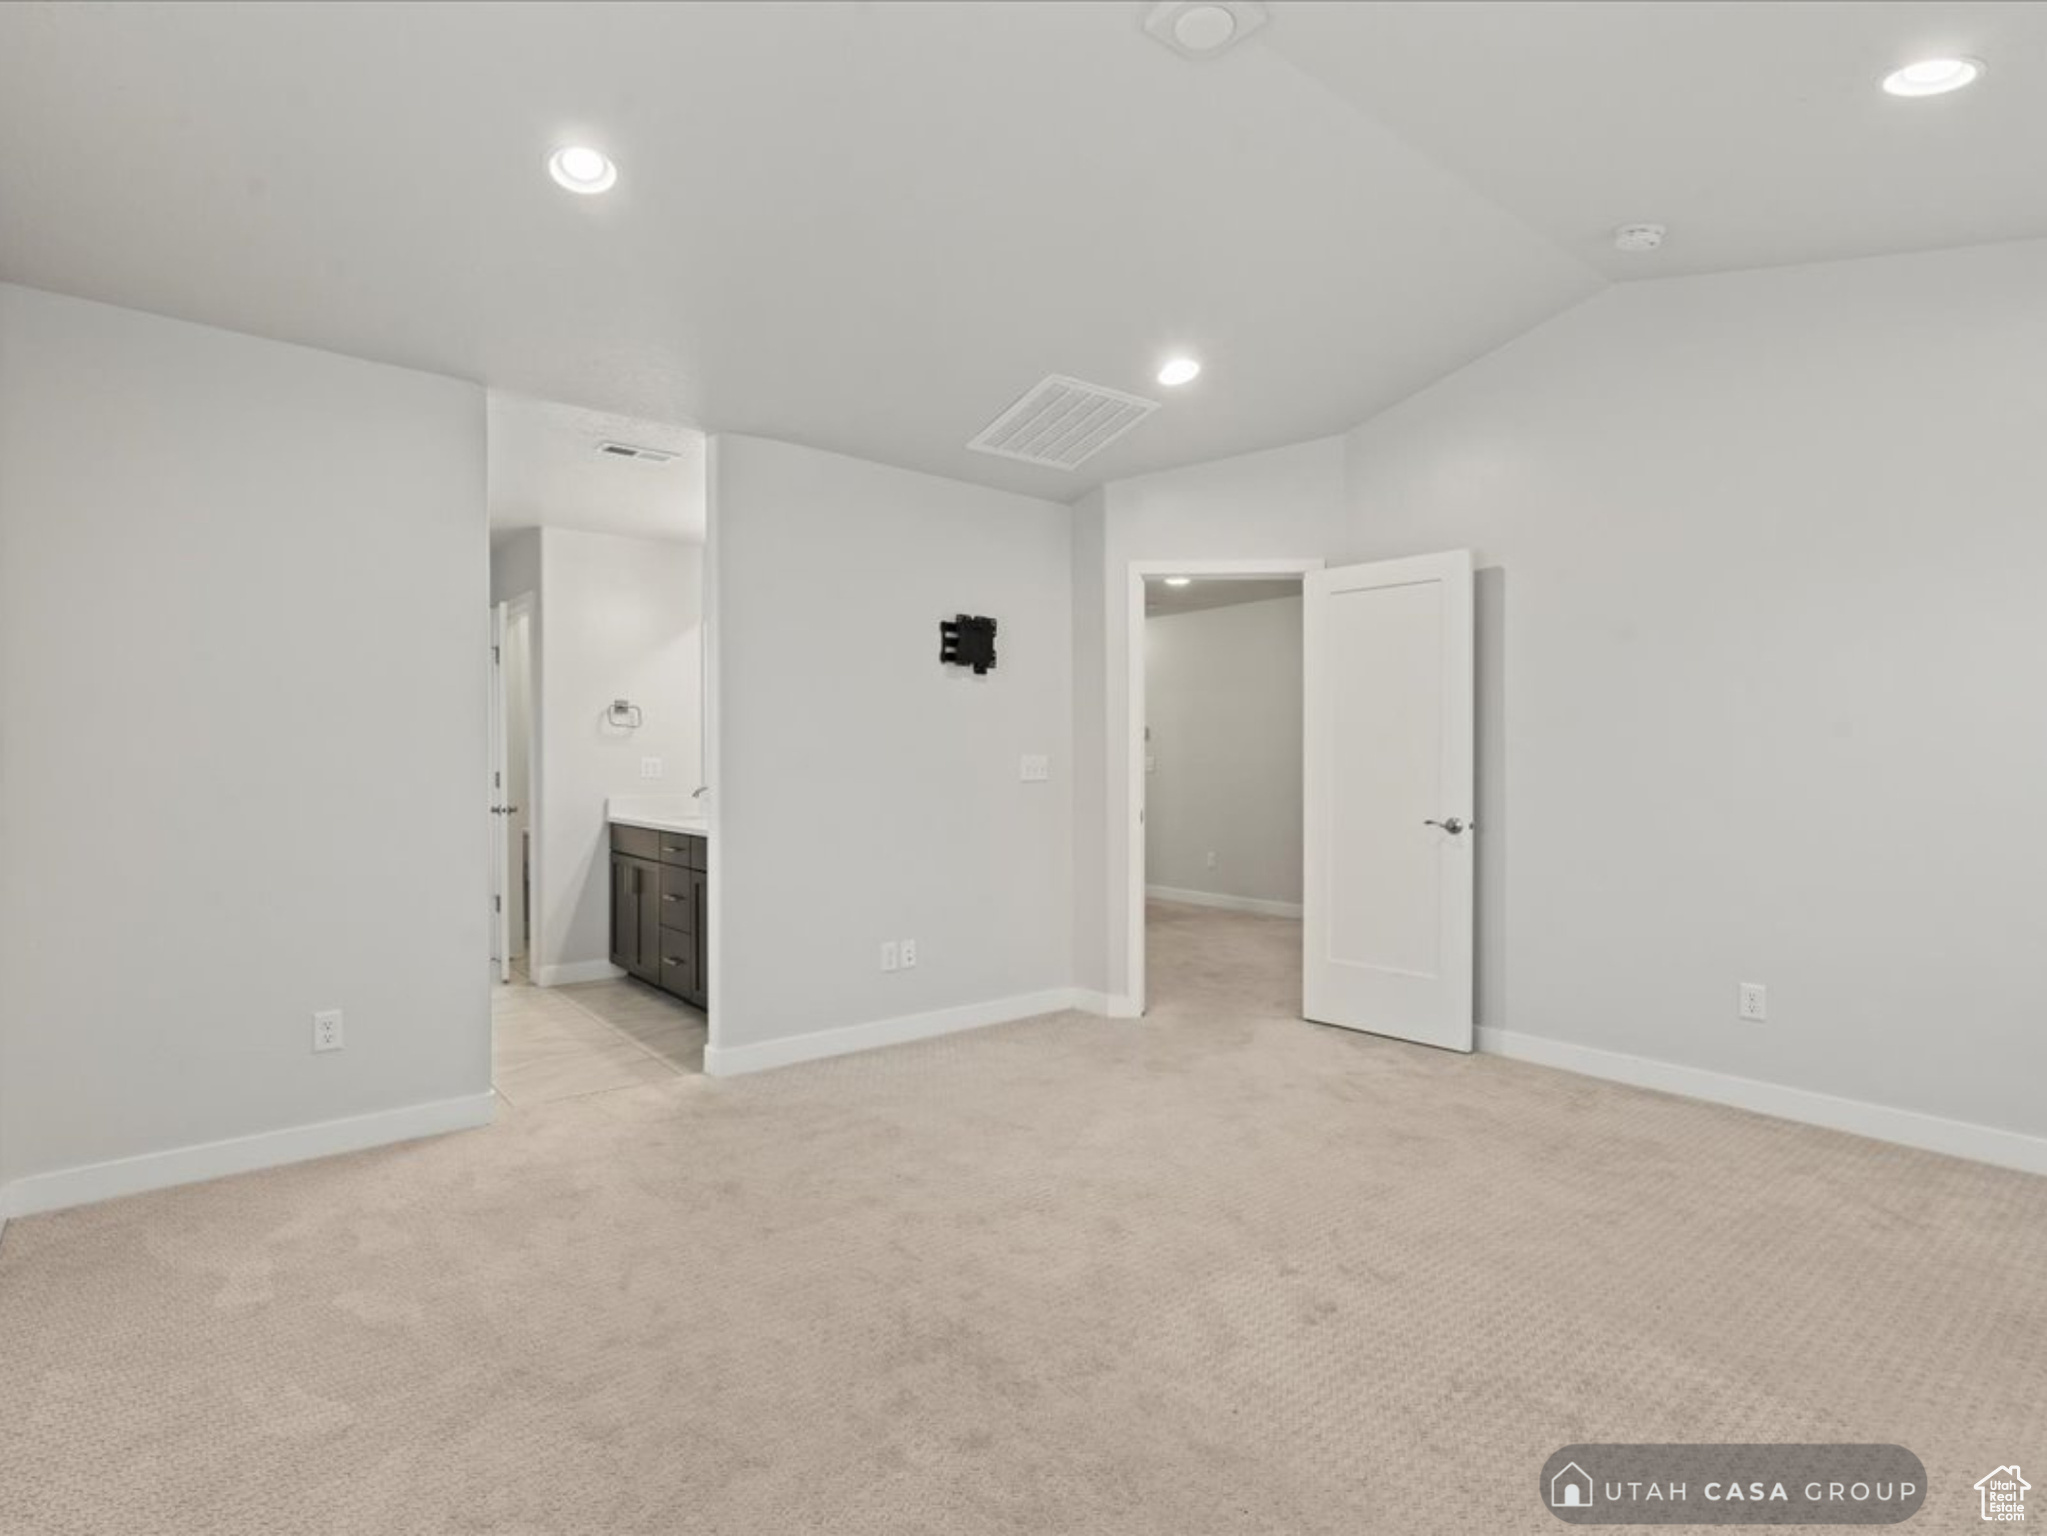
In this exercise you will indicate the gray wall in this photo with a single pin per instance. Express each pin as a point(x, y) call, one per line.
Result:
point(865, 792)
point(1223, 700)
point(242, 696)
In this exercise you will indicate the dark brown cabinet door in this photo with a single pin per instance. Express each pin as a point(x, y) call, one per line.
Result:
point(625, 931)
point(636, 916)
point(700, 988)
point(648, 916)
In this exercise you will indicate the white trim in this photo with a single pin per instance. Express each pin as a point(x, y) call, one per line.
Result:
point(241, 1154)
point(1907, 1127)
point(1133, 725)
point(575, 972)
point(1223, 903)
point(733, 1060)
point(1105, 1005)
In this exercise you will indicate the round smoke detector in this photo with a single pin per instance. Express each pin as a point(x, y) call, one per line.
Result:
point(1638, 237)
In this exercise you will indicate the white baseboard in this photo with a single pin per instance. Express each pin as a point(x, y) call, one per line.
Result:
point(733, 1060)
point(1226, 903)
point(241, 1154)
point(1958, 1138)
point(1107, 1004)
point(575, 973)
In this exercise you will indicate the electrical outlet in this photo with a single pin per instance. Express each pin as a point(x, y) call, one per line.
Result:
point(1753, 1002)
point(327, 1034)
point(1211, 858)
point(1036, 768)
point(909, 954)
point(652, 768)
point(888, 955)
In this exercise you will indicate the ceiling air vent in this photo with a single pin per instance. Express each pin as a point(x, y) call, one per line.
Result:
point(1061, 422)
point(629, 451)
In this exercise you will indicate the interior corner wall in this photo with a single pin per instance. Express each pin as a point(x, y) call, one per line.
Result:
point(866, 792)
point(242, 719)
point(1283, 504)
point(1766, 554)
point(1223, 701)
point(621, 618)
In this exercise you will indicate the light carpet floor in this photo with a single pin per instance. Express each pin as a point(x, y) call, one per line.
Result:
point(1216, 1270)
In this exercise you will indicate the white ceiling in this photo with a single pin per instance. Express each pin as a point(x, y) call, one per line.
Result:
point(1200, 595)
point(1754, 130)
point(871, 226)
point(545, 469)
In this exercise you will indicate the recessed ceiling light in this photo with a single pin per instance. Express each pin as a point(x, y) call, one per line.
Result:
point(1179, 371)
point(1201, 29)
point(1933, 77)
point(1178, 581)
point(582, 169)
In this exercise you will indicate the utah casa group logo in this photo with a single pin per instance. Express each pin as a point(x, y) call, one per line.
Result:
point(1735, 1484)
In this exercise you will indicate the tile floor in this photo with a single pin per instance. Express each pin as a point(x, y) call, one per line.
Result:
point(552, 1043)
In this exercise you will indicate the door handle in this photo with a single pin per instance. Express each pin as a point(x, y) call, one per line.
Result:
point(1453, 825)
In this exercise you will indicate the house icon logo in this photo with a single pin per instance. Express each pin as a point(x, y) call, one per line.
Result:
point(1571, 1488)
point(2004, 1495)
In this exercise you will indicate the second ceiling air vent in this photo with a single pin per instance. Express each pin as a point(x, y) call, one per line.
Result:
point(1062, 421)
point(634, 451)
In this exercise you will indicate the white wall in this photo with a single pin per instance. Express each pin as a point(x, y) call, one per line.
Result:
point(242, 697)
point(1773, 557)
point(621, 618)
point(864, 791)
point(1759, 633)
point(1223, 700)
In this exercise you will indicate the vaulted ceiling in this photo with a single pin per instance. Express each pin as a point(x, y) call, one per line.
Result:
point(869, 227)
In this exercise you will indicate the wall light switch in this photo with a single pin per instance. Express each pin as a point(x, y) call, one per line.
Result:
point(888, 955)
point(1036, 769)
point(327, 1035)
point(651, 768)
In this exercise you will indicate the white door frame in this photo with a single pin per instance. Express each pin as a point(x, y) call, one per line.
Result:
point(1133, 762)
point(500, 841)
point(517, 608)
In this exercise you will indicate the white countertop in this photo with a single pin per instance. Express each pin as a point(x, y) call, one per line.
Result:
point(658, 813)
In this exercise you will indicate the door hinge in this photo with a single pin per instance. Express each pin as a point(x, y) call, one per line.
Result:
point(494, 657)
point(497, 903)
point(496, 778)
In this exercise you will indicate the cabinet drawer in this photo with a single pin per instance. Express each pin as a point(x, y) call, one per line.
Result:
point(678, 898)
point(678, 961)
point(640, 842)
point(682, 850)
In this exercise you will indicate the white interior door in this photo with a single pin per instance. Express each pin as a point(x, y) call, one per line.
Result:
point(1387, 859)
point(500, 820)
